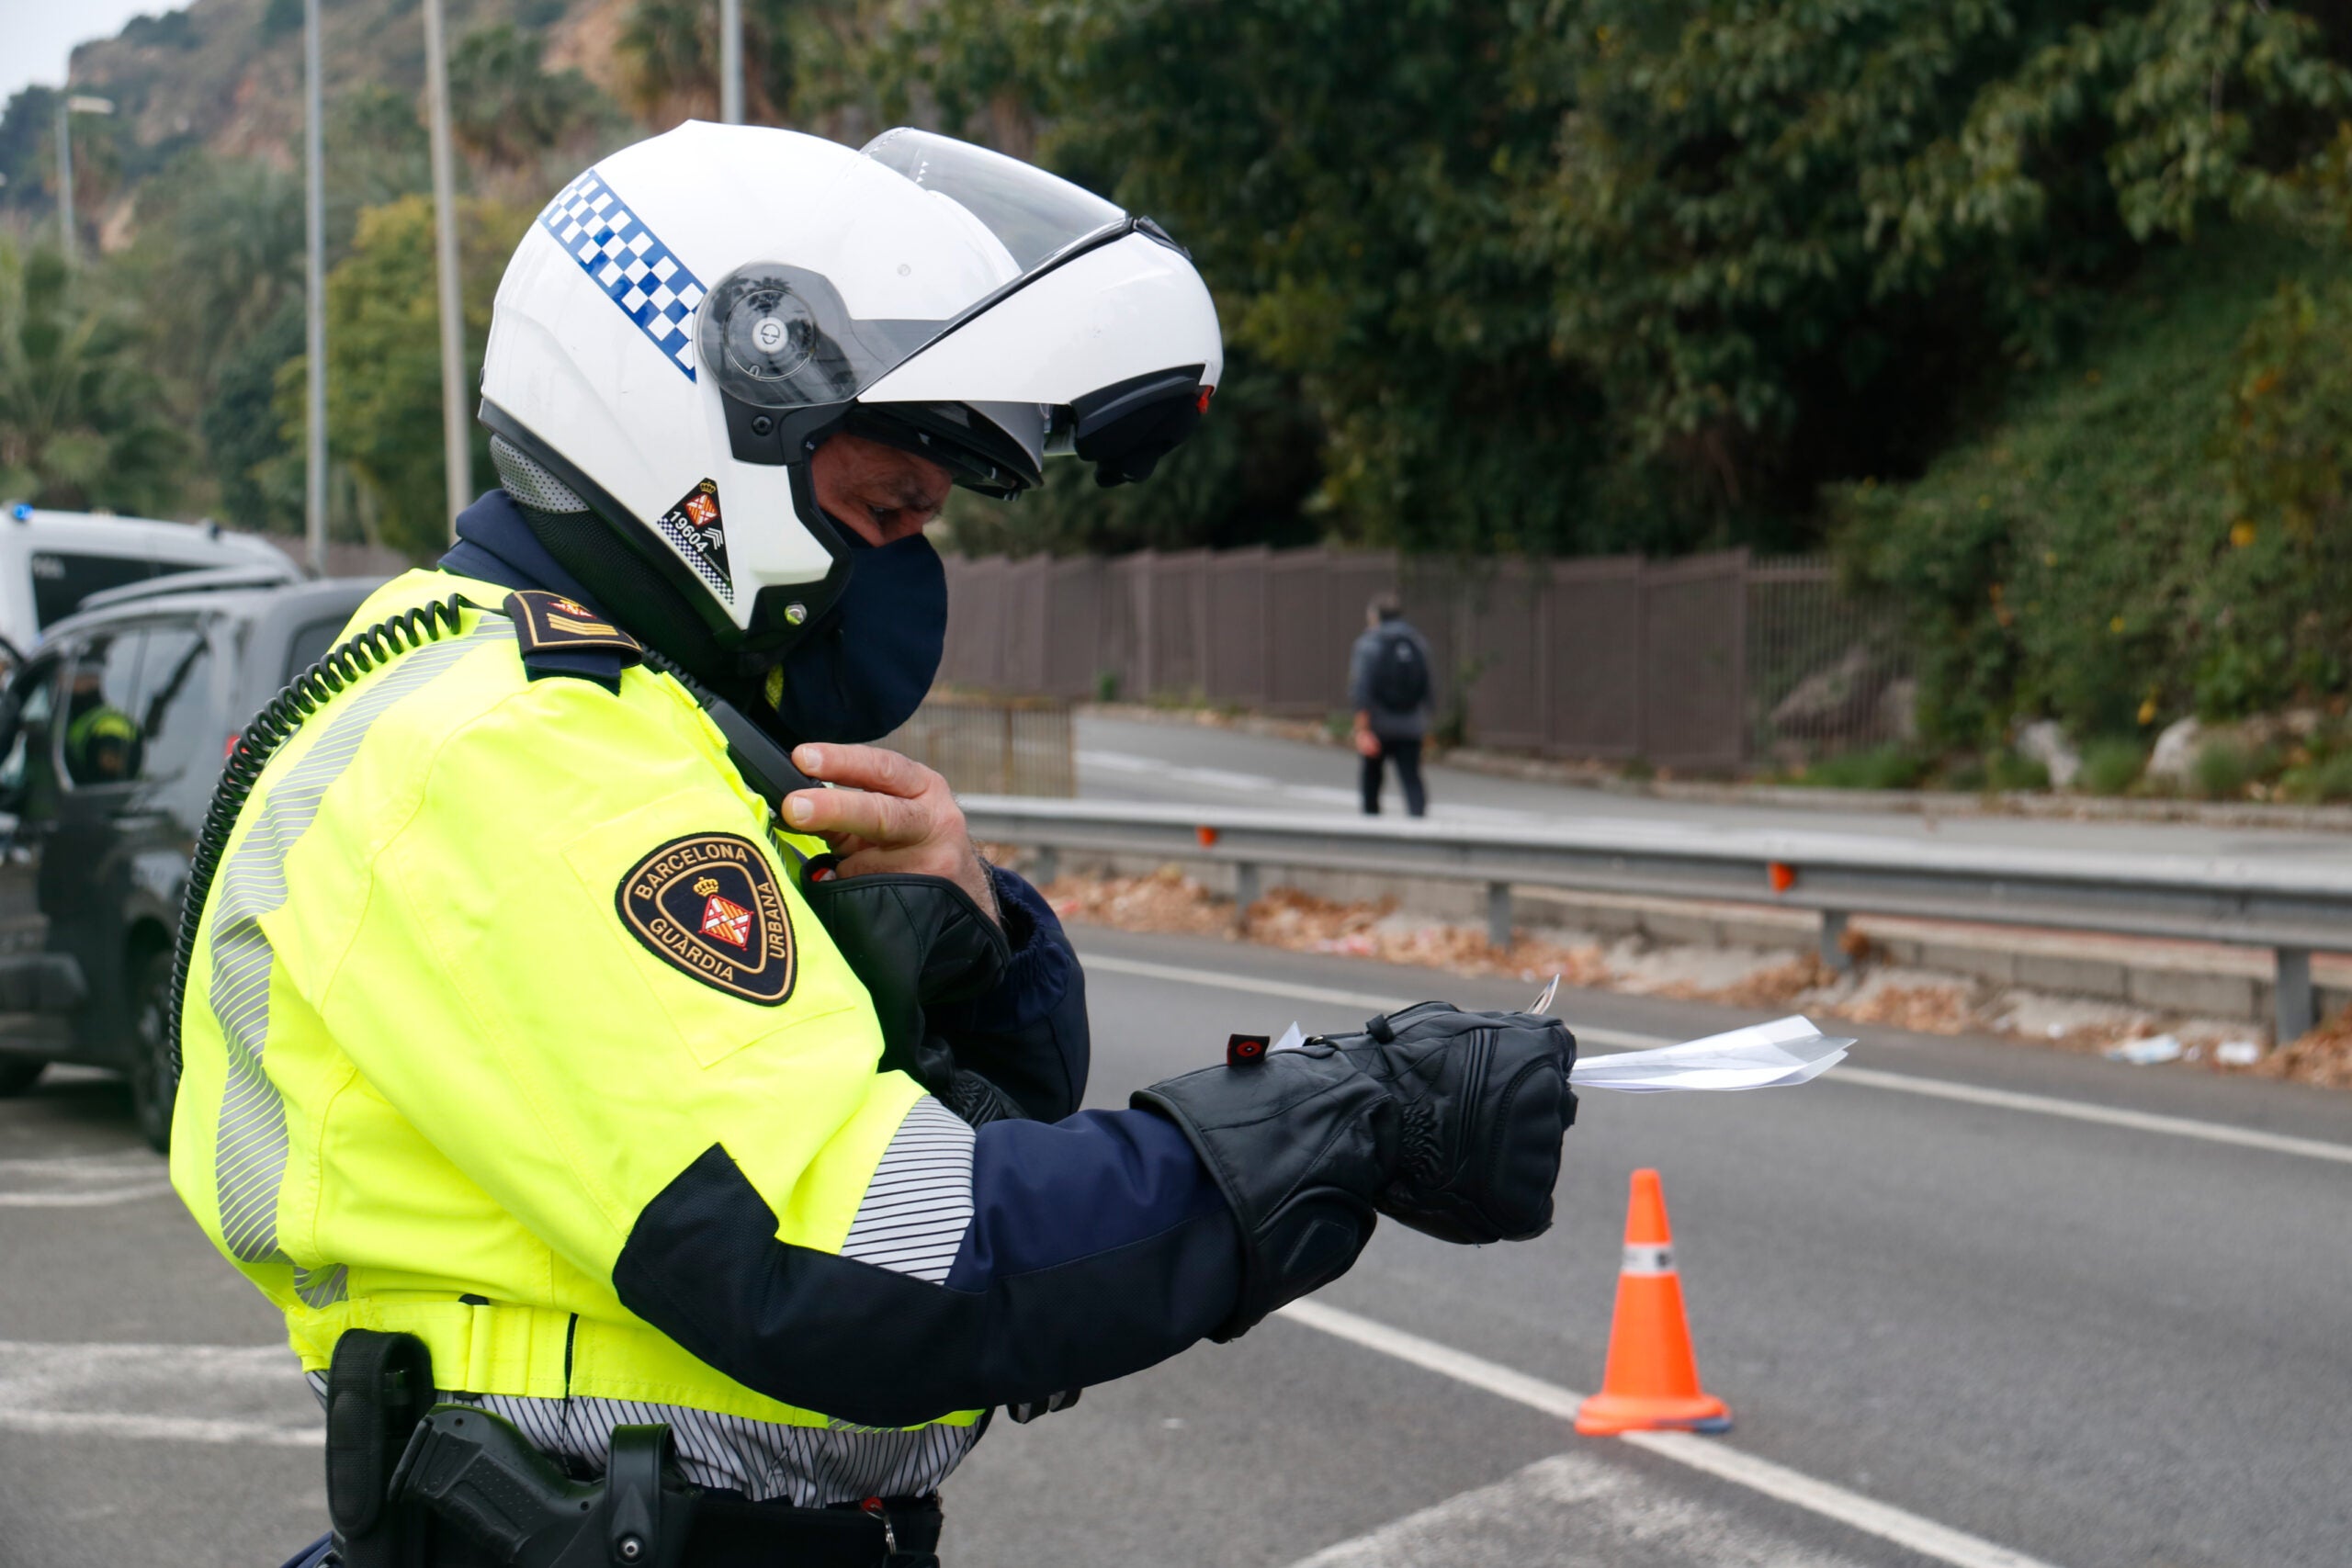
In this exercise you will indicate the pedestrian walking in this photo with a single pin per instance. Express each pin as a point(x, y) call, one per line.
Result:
point(1389, 687)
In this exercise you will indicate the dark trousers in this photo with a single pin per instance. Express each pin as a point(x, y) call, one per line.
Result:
point(1407, 755)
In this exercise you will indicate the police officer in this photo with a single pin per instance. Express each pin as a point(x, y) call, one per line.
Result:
point(101, 740)
point(647, 1179)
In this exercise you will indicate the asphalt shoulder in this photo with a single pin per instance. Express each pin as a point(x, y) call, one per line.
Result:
point(2015, 1066)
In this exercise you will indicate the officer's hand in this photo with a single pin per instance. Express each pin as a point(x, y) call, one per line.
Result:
point(886, 812)
point(1485, 1102)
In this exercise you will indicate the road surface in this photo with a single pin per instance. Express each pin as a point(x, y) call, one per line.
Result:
point(1972, 1304)
point(1120, 759)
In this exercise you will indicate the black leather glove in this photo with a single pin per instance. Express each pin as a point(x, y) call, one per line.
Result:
point(917, 943)
point(1449, 1121)
point(1300, 1143)
point(1485, 1102)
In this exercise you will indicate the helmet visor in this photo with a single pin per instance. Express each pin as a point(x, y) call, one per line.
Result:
point(782, 337)
point(1033, 215)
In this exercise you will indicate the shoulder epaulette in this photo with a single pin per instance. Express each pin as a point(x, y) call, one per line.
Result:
point(561, 637)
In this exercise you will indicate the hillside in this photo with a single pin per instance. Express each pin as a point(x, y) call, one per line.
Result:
point(226, 76)
point(1988, 296)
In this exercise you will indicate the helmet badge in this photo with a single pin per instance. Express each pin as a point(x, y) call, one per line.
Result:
point(696, 527)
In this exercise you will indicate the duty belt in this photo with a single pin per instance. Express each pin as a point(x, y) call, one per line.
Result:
point(456, 1486)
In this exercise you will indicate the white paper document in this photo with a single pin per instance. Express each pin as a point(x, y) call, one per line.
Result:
point(1764, 1055)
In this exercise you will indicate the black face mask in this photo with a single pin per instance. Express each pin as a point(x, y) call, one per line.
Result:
point(865, 669)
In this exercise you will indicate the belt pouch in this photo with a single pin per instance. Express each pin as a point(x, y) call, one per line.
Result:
point(379, 1386)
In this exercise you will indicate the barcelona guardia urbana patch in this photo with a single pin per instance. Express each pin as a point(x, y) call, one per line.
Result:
point(708, 906)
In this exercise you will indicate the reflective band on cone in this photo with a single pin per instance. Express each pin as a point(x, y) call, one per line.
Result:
point(1652, 1382)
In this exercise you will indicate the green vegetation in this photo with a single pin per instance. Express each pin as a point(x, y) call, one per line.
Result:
point(2153, 530)
point(384, 362)
point(2223, 769)
point(2031, 313)
point(78, 426)
point(2110, 766)
point(2324, 778)
point(507, 110)
point(1883, 767)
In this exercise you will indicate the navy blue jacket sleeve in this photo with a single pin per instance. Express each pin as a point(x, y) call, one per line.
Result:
point(1000, 1266)
point(1027, 1035)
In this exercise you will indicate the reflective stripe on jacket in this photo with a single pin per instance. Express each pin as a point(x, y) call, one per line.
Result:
point(431, 1077)
point(471, 1051)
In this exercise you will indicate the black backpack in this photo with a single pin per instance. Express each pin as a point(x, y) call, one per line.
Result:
point(1400, 676)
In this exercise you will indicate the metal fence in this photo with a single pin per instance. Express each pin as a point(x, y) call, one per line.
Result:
point(1827, 672)
point(1698, 663)
point(2293, 907)
point(992, 747)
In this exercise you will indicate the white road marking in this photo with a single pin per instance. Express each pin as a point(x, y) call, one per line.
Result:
point(162, 1429)
point(1294, 991)
point(66, 1165)
point(2107, 1115)
point(83, 1181)
point(231, 1394)
point(1867, 1514)
point(100, 1199)
point(1260, 784)
point(1859, 1077)
point(1250, 983)
point(1574, 1507)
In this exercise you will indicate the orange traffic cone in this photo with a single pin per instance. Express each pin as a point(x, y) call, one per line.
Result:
point(1653, 1377)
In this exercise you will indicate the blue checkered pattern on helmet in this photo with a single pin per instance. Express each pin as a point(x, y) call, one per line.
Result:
point(637, 272)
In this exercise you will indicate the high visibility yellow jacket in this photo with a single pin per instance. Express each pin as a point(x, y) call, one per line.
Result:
point(506, 1026)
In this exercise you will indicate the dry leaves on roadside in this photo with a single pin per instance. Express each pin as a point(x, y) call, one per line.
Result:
point(1924, 1009)
point(1168, 900)
point(2324, 1056)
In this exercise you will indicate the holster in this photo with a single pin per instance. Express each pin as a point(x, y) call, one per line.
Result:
point(498, 1500)
point(414, 1484)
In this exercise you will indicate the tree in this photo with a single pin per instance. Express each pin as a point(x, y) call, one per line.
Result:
point(27, 154)
point(256, 460)
point(384, 360)
point(377, 153)
point(78, 425)
point(1342, 174)
point(1788, 236)
point(1577, 275)
point(218, 255)
point(790, 46)
point(507, 107)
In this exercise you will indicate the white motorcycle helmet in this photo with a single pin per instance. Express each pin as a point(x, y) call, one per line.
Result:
point(689, 319)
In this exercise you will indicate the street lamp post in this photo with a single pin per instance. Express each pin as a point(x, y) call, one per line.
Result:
point(456, 447)
point(68, 106)
point(730, 61)
point(314, 283)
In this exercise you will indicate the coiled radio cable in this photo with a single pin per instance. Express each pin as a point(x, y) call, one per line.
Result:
point(339, 667)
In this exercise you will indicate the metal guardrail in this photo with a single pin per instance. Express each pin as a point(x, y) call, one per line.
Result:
point(2293, 908)
point(1018, 746)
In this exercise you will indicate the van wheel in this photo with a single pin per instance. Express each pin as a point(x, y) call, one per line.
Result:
point(154, 1085)
point(19, 1074)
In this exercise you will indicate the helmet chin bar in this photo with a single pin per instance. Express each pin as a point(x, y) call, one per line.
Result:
point(778, 436)
point(975, 449)
point(773, 630)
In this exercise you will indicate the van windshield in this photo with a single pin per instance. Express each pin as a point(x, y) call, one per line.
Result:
point(62, 579)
